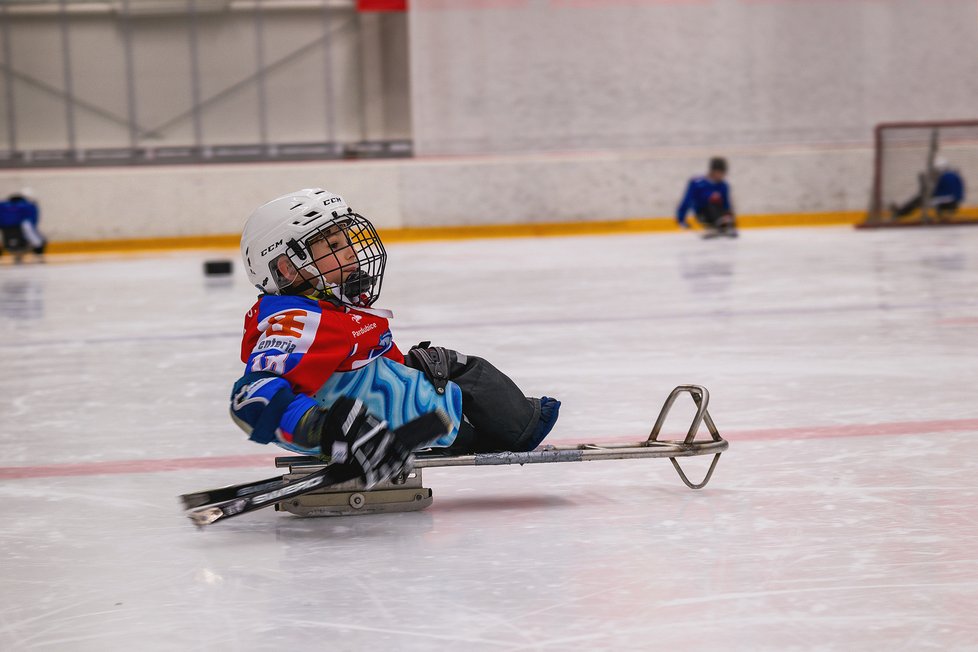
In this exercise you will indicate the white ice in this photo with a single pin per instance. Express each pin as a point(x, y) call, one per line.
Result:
point(842, 367)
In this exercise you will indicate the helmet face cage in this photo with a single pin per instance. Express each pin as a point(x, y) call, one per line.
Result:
point(342, 259)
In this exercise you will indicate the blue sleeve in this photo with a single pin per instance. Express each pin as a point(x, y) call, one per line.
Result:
point(264, 405)
point(31, 213)
point(949, 187)
point(8, 215)
point(956, 184)
point(686, 204)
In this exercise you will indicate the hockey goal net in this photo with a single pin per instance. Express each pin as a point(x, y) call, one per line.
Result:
point(910, 159)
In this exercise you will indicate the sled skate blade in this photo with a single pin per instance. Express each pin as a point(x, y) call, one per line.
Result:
point(402, 494)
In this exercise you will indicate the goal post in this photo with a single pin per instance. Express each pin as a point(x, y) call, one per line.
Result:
point(909, 159)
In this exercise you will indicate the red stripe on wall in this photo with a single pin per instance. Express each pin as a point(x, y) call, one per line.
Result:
point(381, 5)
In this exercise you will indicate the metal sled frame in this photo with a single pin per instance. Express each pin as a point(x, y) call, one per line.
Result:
point(406, 493)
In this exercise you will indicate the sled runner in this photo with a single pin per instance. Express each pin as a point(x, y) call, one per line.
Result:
point(408, 493)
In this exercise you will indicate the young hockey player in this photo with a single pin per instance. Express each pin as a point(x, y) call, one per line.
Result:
point(709, 198)
point(319, 357)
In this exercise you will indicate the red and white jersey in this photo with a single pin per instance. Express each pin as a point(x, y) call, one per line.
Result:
point(305, 341)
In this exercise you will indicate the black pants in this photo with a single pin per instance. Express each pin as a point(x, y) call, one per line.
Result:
point(497, 415)
point(917, 201)
point(13, 239)
point(711, 216)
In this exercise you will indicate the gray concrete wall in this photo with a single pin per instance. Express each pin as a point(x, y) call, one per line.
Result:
point(531, 75)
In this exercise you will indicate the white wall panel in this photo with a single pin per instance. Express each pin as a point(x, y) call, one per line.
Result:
point(161, 77)
point(295, 45)
point(638, 184)
point(531, 75)
point(296, 98)
point(102, 119)
point(38, 88)
point(147, 202)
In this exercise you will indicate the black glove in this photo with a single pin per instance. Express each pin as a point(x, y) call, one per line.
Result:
point(349, 434)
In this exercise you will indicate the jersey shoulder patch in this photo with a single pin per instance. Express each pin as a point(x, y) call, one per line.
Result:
point(286, 326)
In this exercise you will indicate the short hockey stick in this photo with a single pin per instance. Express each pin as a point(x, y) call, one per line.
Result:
point(413, 434)
point(210, 496)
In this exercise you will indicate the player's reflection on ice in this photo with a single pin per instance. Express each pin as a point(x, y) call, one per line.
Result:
point(22, 297)
point(707, 272)
point(954, 261)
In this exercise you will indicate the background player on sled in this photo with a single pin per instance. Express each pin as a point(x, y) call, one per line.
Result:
point(709, 198)
point(18, 225)
point(941, 189)
point(314, 341)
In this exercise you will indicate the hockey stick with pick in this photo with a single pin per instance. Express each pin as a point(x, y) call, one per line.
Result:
point(412, 435)
point(211, 496)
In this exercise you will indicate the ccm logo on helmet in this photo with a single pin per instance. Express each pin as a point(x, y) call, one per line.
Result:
point(270, 247)
point(332, 200)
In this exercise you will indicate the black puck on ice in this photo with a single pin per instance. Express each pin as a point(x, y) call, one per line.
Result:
point(217, 267)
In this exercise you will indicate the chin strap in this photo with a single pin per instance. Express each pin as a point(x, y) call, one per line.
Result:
point(318, 290)
point(305, 288)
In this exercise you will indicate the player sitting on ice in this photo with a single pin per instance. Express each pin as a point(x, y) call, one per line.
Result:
point(946, 191)
point(709, 198)
point(319, 357)
point(18, 225)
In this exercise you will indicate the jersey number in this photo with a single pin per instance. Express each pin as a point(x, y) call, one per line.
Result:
point(273, 362)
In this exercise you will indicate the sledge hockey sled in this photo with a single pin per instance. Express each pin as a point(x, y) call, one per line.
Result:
point(407, 493)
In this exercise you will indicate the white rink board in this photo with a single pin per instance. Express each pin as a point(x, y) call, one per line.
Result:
point(195, 200)
point(842, 369)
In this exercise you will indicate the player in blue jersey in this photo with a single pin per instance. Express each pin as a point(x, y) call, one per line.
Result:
point(18, 225)
point(319, 355)
point(946, 193)
point(709, 199)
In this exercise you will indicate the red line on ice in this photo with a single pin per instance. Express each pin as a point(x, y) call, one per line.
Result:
point(266, 460)
point(135, 466)
point(854, 430)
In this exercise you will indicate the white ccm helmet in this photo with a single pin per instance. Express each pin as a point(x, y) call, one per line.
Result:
point(287, 225)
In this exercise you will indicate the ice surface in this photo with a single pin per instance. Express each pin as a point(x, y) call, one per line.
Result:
point(843, 370)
